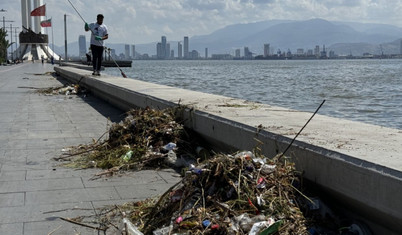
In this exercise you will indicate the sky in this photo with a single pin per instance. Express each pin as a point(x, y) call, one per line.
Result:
point(145, 21)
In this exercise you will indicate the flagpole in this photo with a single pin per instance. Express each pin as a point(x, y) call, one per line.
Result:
point(47, 33)
point(52, 41)
point(46, 27)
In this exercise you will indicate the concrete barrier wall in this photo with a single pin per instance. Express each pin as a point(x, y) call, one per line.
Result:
point(79, 65)
point(340, 156)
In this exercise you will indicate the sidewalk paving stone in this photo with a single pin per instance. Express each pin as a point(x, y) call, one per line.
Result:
point(36, 190)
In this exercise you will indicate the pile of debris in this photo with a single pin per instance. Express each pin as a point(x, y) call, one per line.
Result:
point(223, 194)
point(146, 138)
point(240, 193)
point(228, 194)
point(72, 89)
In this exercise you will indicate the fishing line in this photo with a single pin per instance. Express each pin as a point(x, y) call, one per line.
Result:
point(77, 11)
point(122, 73)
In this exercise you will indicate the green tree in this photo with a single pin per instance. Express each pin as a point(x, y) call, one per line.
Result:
point(4, 45)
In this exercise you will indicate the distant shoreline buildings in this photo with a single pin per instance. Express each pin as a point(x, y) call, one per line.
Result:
point(311, 54)
point(165, 52)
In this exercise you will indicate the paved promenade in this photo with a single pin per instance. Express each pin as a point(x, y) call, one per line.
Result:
point(34, 190)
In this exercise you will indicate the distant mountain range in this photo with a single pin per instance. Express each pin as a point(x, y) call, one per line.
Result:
point(343, 38)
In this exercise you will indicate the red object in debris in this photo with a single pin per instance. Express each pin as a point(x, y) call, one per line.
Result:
point(215, 226)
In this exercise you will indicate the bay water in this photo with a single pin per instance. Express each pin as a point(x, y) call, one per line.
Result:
point(368, 91)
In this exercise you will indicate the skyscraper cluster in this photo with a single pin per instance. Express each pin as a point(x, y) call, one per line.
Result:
point(129, 54)
point(163, 50)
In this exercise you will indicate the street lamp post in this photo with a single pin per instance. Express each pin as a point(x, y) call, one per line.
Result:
point(65, 36)
point(16, 43)
point(4, 22)
point(11, 35)
point(4, 29)
point(4, 26)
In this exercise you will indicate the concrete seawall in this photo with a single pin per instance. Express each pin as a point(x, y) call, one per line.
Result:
point(357, 163)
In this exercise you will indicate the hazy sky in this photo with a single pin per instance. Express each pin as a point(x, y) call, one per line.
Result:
point(143, 21)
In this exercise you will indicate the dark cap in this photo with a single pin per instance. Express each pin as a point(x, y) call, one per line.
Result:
point(99, 16)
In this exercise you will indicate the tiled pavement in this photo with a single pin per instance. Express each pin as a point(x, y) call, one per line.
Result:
point(34, 189)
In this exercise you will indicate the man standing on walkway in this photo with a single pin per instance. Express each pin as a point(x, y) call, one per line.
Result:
point(98, 34)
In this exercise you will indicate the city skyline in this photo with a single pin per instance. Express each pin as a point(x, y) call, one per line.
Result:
point(163, 52)
point(300, 37)
point(141, 21)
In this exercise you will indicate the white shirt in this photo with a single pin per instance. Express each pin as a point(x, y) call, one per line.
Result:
point(97, 30)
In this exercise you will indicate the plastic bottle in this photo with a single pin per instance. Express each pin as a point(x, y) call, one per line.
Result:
point(130, 228)
point(245, 154)
point(127, 156)
point(169, 146)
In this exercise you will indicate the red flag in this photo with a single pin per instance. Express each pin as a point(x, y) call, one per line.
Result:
point(46, 23)
point(40, 11)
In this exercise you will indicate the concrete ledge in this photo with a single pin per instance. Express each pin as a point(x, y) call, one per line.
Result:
point(358, 163)
point(80, 66)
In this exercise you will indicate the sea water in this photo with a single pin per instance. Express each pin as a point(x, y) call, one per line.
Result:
point(368, 91)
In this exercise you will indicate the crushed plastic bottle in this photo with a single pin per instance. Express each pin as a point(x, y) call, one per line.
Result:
point(170, 146)
point(171, 158)
point(248, 155)
point(258, 226)
point(206, 223)
point(267, 168)
point(163, 231)
point(195, 170)
point(130, 229)
point(244, 222)
point(260, 200)
point(259, 160)
point(126, 157)
point(261, 183)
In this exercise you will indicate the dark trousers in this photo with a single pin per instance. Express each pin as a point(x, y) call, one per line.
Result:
point(97, 54)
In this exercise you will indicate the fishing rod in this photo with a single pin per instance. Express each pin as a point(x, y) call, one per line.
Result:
point(121, 71)
point(301, 130)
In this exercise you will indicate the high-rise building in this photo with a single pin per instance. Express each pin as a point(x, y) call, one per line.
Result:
point(323, 53)
point(127, 51)
point(247, 53)
point(206, 53)
point(266, 50)
point(133, 51)
point(400, 49)
point(179, 50)
point(82, 44)
point(163, 47)
point(186, 55)
point(317, 51)
point(237, 53)
point(159, 50)
point(300, 51)
point(167, 52)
